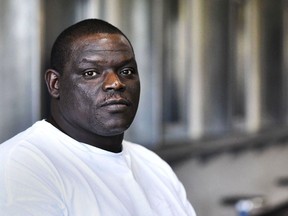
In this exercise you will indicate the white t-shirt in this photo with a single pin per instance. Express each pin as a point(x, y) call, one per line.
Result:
point(44, 172)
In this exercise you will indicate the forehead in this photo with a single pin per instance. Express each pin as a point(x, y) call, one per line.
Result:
point(101, 42)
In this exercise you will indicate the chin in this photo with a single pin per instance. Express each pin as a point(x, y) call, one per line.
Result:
point(110, 127)
point(112, 131)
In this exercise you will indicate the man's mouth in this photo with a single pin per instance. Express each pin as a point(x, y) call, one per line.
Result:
point(116, 105)
point(112, 101)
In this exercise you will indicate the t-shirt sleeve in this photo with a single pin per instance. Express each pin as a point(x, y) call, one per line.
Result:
point(27, 184)
point(162, 170)
point(183, 197)
point(180, 190)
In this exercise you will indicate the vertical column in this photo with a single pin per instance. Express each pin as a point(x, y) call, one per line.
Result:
point(144, 128)
point(285, 59)
point(20, 50)
point(209, 68)
point(113, 12)
point(252, 70)
point(196, 114)
point(91, 8)
point(156, 71)
point(181, 47)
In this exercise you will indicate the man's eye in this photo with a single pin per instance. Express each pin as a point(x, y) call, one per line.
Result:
point(127, 72)
point(90, 74)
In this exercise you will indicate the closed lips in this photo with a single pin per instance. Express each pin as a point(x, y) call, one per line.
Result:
point(116, 102)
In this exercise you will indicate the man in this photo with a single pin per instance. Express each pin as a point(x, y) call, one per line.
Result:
point(76, 162)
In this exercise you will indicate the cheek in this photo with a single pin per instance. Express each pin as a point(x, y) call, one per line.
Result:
point(135, 91)
point(77, 98)
point(85, 99)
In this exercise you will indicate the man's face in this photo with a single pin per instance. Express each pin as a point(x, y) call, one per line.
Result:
point(100, 87)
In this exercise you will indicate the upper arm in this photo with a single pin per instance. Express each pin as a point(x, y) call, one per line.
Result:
point(28, 184)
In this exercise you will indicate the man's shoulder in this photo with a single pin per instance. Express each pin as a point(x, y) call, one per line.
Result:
point(24, 138)
point(21, 135)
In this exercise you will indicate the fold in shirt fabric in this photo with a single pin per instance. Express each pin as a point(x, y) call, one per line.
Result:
point(45, 172)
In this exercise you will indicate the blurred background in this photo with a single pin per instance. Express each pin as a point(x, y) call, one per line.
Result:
point(214, 77)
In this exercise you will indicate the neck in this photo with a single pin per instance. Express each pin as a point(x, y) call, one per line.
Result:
point(108, 143)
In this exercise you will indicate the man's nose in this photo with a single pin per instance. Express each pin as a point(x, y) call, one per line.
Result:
point(112, 82)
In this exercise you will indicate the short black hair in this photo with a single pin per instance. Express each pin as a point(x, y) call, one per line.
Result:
point(61, 48)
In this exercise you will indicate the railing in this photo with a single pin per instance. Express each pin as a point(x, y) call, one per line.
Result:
point(206, 149)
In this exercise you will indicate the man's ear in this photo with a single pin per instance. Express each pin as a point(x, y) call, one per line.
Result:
point(52, 82)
